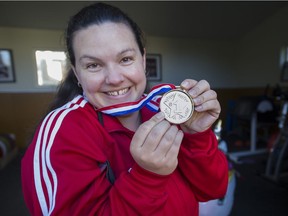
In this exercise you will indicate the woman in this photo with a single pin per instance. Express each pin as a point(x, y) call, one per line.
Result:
point(83, 161)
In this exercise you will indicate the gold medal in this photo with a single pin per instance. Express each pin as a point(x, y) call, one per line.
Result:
point(177, 106)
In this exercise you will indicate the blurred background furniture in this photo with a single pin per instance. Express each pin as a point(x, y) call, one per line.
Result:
point(8, 149)
point(252, 118)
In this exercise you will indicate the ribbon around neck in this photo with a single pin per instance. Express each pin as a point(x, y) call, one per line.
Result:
point(149, 100)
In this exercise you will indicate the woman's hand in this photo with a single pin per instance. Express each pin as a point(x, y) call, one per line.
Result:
point(155, 145)
point(207, 107)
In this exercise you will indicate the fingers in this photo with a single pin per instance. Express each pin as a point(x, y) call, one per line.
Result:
point(167, 140)
point(207, 101)
point(157, 134)
point(166, 154)
point(155, 145)
point(146, 128)
point(204, 98)
point(195, 88)
point(174, 150)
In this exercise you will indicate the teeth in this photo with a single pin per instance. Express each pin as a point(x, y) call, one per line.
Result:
point(120, 92)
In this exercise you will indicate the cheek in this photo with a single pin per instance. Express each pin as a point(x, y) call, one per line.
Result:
point(143, 78)
point(144, 81)
point(139, 76)
point(91, 89)
point(140, 82)
point(91, 83)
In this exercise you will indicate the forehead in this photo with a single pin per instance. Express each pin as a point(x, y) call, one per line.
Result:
point(104, 40)
point(103, 32)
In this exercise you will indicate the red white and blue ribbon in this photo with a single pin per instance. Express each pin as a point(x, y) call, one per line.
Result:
point(149, 100)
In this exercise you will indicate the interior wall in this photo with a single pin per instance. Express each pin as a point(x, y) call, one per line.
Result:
point(259, 52)
point(21, 112)
point(181, 58)
point(24, 43)
point(195, 59)
point(233, 68)
point(252, 61)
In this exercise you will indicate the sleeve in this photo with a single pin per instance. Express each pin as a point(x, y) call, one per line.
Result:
point(75, 182)
point(204, 166)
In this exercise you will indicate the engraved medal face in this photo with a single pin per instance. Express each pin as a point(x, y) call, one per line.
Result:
point(177, 106)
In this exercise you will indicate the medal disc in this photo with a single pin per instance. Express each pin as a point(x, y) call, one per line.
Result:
point(177, 106)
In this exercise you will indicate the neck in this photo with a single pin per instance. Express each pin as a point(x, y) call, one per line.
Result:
point(131, 121)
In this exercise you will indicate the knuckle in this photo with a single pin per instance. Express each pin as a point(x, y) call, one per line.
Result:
point(145, 127)
point(200, 99)
point(154, 134)
point(168, 138)
point(205, 82)
point(143, 158)
point(214, 94)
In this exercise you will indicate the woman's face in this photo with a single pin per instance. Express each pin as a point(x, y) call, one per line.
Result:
point(108, 64)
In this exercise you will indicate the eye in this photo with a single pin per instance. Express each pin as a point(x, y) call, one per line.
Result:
point(93, 67)
point(127, 60)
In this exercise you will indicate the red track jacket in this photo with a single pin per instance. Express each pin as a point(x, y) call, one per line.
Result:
point(65, 170)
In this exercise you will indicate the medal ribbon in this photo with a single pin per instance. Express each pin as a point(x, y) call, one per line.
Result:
point(149, 100)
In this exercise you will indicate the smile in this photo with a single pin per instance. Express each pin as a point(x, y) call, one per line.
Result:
point(120, 92)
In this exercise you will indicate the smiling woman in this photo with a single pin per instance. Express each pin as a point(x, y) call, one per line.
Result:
point(86, 161)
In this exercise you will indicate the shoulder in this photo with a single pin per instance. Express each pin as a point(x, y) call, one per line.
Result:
point(77, 108)
point(73, 123)
point(75, 116)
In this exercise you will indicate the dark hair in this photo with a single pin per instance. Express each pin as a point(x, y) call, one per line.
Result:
point(96, 13)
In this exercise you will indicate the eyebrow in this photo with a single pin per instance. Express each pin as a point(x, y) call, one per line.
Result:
point(127, 50)
point(87, 57)
point(95, 58)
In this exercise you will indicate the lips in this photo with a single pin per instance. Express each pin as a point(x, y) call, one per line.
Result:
point(117, 93)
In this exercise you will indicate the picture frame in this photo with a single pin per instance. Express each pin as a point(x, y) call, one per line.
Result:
point(7, 73)
point(153, 67)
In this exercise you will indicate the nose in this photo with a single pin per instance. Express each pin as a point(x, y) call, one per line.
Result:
point(114, 76)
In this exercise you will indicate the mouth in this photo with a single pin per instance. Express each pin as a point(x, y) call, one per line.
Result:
point(117, 93)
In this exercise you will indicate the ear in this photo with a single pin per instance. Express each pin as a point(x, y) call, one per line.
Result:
point(75, 72)
point(144, 59)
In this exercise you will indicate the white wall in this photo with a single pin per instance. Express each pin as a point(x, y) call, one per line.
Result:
point(252, 61)
point(196, 59)
point(259, 52)
point(24, 43)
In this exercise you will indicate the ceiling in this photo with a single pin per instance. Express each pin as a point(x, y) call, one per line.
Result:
point(193, 19)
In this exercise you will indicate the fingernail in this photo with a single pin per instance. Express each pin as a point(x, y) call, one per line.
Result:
point(196, 101)
point(198, 108)
point(193, 93)
point(184, 84)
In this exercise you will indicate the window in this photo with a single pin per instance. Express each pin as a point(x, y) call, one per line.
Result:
point(284, 64)
point(51, 67)
point(283, 56)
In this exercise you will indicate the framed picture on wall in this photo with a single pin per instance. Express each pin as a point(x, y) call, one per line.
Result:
point(153, 67)
point(7, 73)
